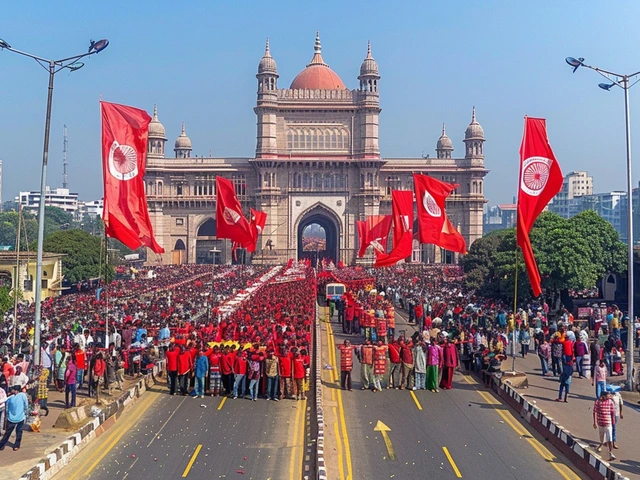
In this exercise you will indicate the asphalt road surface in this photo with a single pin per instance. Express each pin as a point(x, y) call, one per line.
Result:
point(460, 433)
point(172, 437)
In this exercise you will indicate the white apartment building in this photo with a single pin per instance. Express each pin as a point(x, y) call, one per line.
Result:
point(58, 197)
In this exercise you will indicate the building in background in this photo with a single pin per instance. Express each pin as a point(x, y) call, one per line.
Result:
point(317, 161)
point(92, 208)
point(20, 271)
point(499, 217)
point(58, 197)
point(568, 202)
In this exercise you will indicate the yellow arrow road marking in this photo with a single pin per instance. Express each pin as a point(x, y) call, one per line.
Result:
point(383, 429)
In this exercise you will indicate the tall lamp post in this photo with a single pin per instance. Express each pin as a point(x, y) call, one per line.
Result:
point(625, 82)
point(53, 67)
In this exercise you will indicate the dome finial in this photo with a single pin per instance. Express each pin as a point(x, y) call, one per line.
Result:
point(369, 49)
point(443, 130)
point(473, 115)
point(183, 129)
point(155, 111)
point(317, 47)
point(267, 52)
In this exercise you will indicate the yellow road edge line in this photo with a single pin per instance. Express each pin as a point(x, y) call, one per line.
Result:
point(292, 457)
point(343, 423)
point(224, 399)
point(117, 434)
point(339, 450)
point(453, 464)
point(415, 399)
point(193, 459)
point(301, 438)
point(543, 451)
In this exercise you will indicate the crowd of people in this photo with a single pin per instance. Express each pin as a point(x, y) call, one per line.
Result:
point(245, 332)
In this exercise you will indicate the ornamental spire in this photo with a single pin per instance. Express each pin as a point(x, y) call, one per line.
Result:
point(317, 52)
point(267, 52)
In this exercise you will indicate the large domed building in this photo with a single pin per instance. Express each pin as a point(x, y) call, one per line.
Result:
point(317, 161)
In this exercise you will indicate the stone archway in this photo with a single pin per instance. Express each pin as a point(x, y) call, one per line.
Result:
point(179, 253)
point(208, 248)
point(331, 228)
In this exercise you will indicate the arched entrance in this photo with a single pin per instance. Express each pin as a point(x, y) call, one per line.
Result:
point(317, 224)
point(179, 253)
point(208, 248)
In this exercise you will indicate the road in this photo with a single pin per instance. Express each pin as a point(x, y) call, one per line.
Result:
point(461, 433)
point(165, 436)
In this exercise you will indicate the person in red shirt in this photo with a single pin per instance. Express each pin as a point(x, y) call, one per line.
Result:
point(284, 367)
point(226, 367)
point(299, 372)
point(185, 366)
point(172, 367)
point(215, 377)
point(240, 372)
point(396, 365)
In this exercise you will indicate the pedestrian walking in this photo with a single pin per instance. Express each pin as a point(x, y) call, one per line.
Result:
point(617, 404)
point(600, 378)
point(603, 420)
point(16, 408)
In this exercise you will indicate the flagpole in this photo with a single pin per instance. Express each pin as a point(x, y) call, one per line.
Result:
point(515, 304)
point(106, 295)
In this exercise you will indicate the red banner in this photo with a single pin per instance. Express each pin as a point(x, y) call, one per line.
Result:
point(230, 221)
point(258, 219)
point(540, 180)
point(125, 132)
point(433, 223)
point(402, 207)
point(373, 232)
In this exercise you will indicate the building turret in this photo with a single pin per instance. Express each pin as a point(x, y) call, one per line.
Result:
point(444, 147)
point(369, 73)
point(474, 138)
point(155, 145)
point(266, 145)
point(183, 145)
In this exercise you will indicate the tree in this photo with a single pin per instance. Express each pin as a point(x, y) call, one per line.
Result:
point(82, 254)
point(6, 300)
point(571, 254)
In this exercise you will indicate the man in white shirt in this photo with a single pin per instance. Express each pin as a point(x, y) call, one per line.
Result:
point(115, 338)
point(617, 403)
point(84, 339)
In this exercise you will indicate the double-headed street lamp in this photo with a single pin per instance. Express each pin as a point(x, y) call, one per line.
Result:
point(53, 67)
point(625, 82)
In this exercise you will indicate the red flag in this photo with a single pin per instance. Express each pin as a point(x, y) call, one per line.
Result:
point(230, 222)
point(125, 132)
point(402, 207)
point(430, 197)
point(258, 219)
point(433, 223)
point(540, 180)
point(374, 232)
point(451, 239)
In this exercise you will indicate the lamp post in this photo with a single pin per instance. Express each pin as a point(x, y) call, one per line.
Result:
point(53, 67)
point(625, 82)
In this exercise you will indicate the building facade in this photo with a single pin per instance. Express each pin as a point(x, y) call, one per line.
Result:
point(317, 160)
point(57, 197)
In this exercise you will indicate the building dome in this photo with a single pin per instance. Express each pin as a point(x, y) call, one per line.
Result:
point(369, 65)
point(474, 130)
point(444, 142)
point(156, 129)
point(317, 75)
point(183, 142)
point(267, 63)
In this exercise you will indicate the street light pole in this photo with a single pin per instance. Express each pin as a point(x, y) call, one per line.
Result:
point(624, 82)
point(53, 67)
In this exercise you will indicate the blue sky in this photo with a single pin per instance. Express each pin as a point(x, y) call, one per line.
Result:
point(197, 60)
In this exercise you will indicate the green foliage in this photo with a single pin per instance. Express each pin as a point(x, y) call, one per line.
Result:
point(6, 300)
point(571, 254)
point(82, 250)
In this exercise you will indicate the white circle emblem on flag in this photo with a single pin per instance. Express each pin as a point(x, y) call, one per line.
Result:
point(430, 205)
point(535, 174)
point(230, 216)
point(123, 161)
